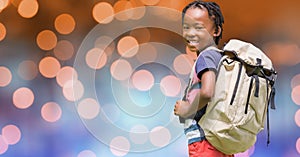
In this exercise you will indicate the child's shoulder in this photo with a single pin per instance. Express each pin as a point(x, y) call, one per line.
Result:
point(211, 51)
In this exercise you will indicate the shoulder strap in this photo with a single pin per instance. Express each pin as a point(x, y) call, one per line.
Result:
point(190, 85)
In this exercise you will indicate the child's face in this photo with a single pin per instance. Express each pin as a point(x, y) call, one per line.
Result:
point(198, 29)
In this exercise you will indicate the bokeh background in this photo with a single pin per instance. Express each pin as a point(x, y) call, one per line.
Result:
point(70, 87)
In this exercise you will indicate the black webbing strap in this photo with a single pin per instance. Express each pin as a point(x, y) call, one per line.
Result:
point(268, 119)
point(249, 94)
point(256, 86)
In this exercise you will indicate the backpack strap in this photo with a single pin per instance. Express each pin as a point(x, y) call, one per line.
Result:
point(191, 86)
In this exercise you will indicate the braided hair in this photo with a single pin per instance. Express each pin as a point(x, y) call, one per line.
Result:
point(214, 13)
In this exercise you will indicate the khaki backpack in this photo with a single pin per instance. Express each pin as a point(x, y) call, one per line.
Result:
point(239, 107)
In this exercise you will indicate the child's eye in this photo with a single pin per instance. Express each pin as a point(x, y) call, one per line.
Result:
point(198, 28)
point(185, 27)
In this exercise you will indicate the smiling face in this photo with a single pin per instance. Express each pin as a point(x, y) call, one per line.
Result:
point(198, 29)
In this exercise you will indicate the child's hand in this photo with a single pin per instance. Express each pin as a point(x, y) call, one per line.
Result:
point(181, 108)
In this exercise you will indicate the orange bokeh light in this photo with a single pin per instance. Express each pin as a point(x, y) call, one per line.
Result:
point(64, 50)
point(46, 40)
point(66, 74)
point(128, 46)
point(6, 76)
point(2, 31)
point(96, 58)
point(3, 4)
point(103, 12)
point(23, 98)
point(11, 134)
point(121, 69)
point(142, 80)
point(49, 67)
point(73, 90)
point(295, 81)
point(298, 145)
point(123, 10)
point(296, 95)
point(152, 2)
point(51, 112)
point(28, 8)
point(3, 145)
point(64, 24)
point(27, 70)
point(183, 64)
point(170, 85)
point(142, 35)
point(297, 118)
point(88, 108)
point(275, 50)
point(147, 53)
point(138, 11)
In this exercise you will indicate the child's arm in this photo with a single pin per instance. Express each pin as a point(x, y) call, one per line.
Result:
point(185, 109)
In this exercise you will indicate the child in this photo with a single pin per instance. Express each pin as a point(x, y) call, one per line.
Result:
point(202, 30)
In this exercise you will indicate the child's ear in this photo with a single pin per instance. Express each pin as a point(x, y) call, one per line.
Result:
point(217, 31)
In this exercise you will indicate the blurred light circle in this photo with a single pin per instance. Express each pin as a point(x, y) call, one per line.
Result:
point(3, 4)
point(104, 41)
point(138, 10)
point(296, 94)
point(122, 10)
point(170, 85)
point(2, 30)
point(6, 76)
point(23, 98)
point(183, 64)
point(46, 40)
point(119, 146)
point(103, 12)
point(49, 67)
point(73, 90)
point(298, 145)
point(142, 80)
point(27, 70)
point(64, 50)
point(147, 53)
point(28, 8)
point(96, 58)
point(160, 136)
point(152, 2)
point(66, 74)
point(297, 118)
point(128, 46)
point(88, 108)
point(51, 112)
point(120, 69)
point(86, 153)
point(139, 134)
point(64, 23)
point(11, 134)
point(142, 35)
point(3, 145)
point(295, 81)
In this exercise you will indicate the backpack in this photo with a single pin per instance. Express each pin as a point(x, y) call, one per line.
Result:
point(244, 89)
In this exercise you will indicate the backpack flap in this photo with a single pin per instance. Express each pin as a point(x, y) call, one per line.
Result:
point(248, 53)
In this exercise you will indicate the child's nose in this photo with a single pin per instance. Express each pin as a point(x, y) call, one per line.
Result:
point(191, 32)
